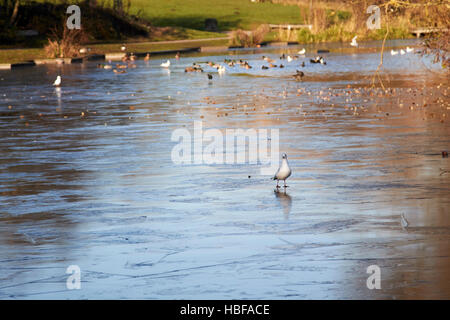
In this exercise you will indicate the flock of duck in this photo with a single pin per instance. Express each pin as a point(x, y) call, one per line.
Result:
point(129, 59)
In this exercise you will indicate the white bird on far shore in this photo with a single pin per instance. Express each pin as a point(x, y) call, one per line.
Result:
point(302, 51)
point(57, 82)
point(165, 64)
point(393, 52)
point(354, 43)
point(402, 52)
point(408, 49)
point(284, 171)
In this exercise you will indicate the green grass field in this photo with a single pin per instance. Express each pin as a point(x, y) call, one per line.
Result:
point(230, 14)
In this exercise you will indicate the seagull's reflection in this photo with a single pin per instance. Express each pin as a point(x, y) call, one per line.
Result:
point(58, 96)
point(166, 71)
point(285, 201)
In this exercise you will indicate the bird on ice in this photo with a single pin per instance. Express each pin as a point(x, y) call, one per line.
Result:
point(221, 70)
point(302, 51)
point(408, 49)
point(393, 52)
point(57, 82)
point(289, 59)
point(354, 43)
point(402, 52)
point(283, 172)
point(165, 64)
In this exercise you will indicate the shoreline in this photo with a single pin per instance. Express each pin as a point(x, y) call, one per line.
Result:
point(34, 56)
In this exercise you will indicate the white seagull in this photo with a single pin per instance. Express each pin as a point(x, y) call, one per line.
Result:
point(283, 172)
point(57, 82)
point(402, 52)
point(393, 52)
point(354, 43)
point(289, 59)
point(408, 49)
point(302, 51)
point(165, 64)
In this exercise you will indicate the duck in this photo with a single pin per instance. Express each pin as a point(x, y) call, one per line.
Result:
point(177, 56)
point(195, 68)
point(303, 64)
point(165, 64)
point(299, 75)
point(221, 69)
point(147, 57)
point(318, 59)
point(84, 50)
point(119, 71)
point(264, 67)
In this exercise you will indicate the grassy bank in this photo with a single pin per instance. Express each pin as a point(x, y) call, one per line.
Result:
point(20, 55)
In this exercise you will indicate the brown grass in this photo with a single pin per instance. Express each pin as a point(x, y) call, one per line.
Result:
point(249, 39)
point(65, 43)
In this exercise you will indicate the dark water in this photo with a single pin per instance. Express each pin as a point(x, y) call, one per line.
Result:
point(86, 178)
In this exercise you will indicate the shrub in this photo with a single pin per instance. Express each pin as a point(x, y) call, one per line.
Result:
point(65, 43)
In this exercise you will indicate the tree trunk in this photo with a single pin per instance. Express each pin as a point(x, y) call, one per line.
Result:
point(14, 13)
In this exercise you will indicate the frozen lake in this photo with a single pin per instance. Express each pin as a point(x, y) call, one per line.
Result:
point(86, 178)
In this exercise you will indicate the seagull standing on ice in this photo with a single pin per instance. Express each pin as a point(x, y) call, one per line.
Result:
point(289, 59)
point(302, 51)
point(402, 52)
point(165, 64)
point(393, 52)
point(354, 43)
point(408, 49)
point(57, 82)
point(283, 172)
